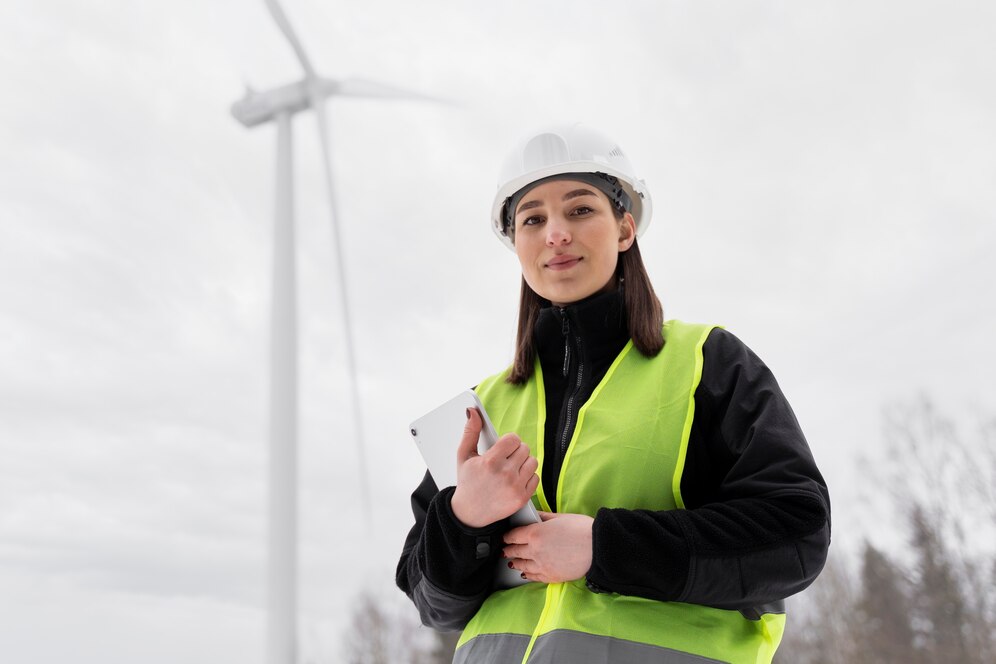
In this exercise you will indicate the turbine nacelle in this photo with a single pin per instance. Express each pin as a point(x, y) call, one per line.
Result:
point(258, 107)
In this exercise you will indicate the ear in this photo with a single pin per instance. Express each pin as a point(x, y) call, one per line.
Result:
point(627, 232)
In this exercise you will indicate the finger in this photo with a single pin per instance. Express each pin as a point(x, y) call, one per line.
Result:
point(532, 483)
point(519, 456)
point(515, 553)
point(506, 446)
point(549, 516)
point(519, 535)
point(529, 466)
point(529, 569)
point(471, 434)
point(536, 576)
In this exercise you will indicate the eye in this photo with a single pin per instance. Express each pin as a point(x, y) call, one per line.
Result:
point(581, 210)
point(532, 221)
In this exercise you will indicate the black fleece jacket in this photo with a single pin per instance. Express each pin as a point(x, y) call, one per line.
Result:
point(756, 527)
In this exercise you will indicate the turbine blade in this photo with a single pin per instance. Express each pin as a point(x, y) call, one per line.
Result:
point(318, 105)
point(357, 87)
point(277, 12)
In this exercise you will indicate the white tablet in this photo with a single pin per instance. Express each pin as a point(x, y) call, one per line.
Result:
point(437, 435)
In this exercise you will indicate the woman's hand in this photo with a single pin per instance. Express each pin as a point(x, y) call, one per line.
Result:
point(554, 550)
point(496, 484)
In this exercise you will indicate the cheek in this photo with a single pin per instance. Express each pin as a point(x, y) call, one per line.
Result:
point(608, 267)
point(609, 254)
point(526, 264)
point(520, 253)
point(526, 250)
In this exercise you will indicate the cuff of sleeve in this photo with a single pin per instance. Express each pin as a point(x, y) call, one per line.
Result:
point(459, 559)
point(446, 495)
point(633, 553)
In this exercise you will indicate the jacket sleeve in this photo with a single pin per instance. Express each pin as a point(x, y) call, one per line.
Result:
point(756, 527)
point(446, 568)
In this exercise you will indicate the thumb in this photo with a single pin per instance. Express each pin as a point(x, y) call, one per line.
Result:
point(471, 434)
point(548, 516)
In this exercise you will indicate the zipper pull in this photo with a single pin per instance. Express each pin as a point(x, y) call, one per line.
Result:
point(566, 329)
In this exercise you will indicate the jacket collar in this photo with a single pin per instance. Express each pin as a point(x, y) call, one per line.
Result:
point(600, 322)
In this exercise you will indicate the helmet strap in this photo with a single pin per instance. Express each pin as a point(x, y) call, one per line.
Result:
point(607, 184)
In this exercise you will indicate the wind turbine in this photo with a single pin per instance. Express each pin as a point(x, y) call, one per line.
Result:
point(279, 105)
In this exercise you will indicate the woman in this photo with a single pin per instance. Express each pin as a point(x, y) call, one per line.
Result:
point(679, 499)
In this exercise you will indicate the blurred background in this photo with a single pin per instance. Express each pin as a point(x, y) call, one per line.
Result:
point(823, 182)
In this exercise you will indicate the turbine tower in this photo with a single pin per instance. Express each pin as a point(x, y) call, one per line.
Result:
point(279, 105)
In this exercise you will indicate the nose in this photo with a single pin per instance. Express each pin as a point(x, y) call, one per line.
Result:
point(557, 233)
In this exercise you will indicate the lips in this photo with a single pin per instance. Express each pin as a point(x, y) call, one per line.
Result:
point(563, 262)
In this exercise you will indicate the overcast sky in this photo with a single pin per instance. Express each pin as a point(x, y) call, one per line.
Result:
point(823, 181)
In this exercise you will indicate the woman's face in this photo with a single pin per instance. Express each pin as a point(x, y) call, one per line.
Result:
point(568, 240)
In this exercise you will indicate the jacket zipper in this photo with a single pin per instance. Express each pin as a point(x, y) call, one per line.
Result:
point(554, 591)
point(569, 405)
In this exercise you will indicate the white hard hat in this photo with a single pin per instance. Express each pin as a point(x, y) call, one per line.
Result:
point(563, 150)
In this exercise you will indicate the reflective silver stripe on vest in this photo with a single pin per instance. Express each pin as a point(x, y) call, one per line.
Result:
point(493, 649)
point(565, 645)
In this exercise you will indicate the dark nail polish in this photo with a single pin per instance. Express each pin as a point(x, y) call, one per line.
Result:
point(523, 575)
point(468, 413)
point(510, 564)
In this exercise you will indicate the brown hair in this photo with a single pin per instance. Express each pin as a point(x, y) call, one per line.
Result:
point(644, 314)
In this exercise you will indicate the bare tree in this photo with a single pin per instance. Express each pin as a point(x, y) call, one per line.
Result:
point(883, 616)
point(820, 625)
point(934, 601)
point(941, 614)
point(945, 487)
point(932, 467)
point(387, 632)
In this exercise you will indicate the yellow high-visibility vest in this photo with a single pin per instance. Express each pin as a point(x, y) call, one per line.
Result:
point(627, 451)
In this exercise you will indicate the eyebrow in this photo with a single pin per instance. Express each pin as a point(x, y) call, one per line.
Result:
point(528, 205)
